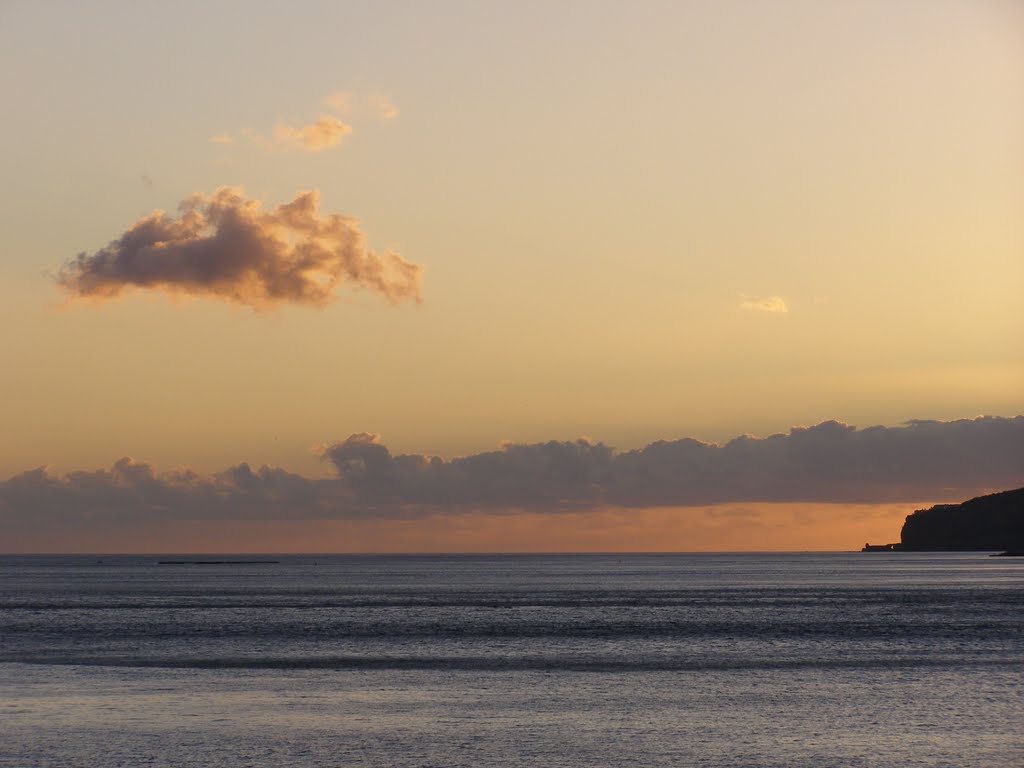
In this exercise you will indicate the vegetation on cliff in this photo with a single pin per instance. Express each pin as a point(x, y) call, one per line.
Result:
point(994, 522)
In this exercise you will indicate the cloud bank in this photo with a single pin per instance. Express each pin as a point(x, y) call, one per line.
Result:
point(828, 463)
point(225, 246)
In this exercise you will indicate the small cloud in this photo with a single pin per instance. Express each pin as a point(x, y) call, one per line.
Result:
point(775, 304)
point(228, 247)
point(337, 100)
point(383, 106)
point(256, 139)
point(326, 132)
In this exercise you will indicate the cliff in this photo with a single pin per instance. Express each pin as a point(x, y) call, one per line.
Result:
point(994, 522)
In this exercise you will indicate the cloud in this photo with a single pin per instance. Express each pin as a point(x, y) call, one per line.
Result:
point(829, 463)
point(338, 100)
point(225, 246)
point(134, 491)
point(543, 476)
point(383, 106)
point(324, 133)
point(770, 304)
point(344, 102)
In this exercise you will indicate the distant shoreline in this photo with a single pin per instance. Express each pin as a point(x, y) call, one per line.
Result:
point(992, 523)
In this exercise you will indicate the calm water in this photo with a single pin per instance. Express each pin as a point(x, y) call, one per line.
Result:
point(586, 660)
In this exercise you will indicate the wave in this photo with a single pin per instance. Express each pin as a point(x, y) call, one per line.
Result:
point(511, 664)
point(211, 600)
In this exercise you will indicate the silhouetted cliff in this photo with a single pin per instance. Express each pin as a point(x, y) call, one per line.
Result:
point(994, 522)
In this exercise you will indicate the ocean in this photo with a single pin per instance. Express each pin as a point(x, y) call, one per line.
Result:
point(788, 660)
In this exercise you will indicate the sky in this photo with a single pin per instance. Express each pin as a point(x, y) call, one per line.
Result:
point(462, 276)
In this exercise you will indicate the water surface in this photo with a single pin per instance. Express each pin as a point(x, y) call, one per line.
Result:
point(888, 659)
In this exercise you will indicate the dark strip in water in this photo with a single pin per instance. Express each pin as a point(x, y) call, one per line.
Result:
point(218, 562)
point(509, 664)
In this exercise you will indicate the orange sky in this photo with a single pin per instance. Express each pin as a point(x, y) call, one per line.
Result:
point(762, 527)
point(466, 226)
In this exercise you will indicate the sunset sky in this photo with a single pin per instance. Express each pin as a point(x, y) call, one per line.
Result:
point(440, 276)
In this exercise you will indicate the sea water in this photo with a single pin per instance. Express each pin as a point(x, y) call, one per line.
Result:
point(789, 660)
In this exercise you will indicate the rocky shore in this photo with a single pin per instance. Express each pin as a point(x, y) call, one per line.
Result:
point(993, 523)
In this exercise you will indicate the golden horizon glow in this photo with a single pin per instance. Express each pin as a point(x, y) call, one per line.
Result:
point(777, 528)
point(637, 223)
